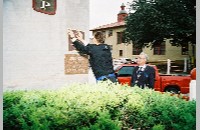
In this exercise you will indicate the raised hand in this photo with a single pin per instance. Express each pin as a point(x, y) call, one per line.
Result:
point(70, 33)
point(79, 35)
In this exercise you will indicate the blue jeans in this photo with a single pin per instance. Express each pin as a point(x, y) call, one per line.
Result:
point(111, 77)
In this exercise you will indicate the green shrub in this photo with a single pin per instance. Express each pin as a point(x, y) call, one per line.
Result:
point(96, 107)
point(158, 127)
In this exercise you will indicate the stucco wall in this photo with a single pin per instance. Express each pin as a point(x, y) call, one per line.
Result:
point(172, 53)
point(34, 44)
point(112, 40)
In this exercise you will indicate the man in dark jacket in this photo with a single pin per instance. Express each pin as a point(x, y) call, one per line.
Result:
point(143, 75)
point(100, 55)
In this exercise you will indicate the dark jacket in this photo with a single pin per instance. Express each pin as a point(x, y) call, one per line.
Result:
point(100, 57)
point(143, 78)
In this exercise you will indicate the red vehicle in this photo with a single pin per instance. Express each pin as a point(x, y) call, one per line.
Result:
point(163, 83)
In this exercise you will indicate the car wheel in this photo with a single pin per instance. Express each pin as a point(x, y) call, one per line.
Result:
point(172, 90)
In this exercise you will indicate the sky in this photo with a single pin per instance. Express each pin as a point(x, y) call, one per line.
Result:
point(105, 11)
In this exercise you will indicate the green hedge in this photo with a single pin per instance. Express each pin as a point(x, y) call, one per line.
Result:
point(104, 106)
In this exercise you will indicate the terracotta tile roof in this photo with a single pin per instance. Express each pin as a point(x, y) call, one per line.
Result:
point(112, 25)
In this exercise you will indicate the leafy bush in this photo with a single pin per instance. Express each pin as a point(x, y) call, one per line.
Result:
point(104, 106)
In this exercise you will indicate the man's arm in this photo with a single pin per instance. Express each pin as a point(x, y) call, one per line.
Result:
point(76, 41)
point(80, 47)
point(151, 77)
point(133, 78)
point(79, 36)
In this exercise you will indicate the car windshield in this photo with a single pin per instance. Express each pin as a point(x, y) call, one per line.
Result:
point(126, 71)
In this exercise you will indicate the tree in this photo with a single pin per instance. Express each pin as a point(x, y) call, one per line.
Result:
point(155, 20)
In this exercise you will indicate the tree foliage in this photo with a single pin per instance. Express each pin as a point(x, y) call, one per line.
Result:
point(155, 20)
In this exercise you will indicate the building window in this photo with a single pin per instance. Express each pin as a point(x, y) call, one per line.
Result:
point(136, 50)
point(104, 33)
point(110, 33)
point(120, 52)
point(184, 49)
point(120, 38)
point(159, 49)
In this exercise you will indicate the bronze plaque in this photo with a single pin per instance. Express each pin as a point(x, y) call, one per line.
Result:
point(70, 45)
point(76, 64)
point(45, 6)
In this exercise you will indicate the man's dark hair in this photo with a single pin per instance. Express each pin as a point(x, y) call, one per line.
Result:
point(100, 37)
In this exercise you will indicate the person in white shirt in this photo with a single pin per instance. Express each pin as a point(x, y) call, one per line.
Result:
point(143, 74)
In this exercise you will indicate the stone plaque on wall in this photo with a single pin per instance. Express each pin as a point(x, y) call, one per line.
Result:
point(76, 64)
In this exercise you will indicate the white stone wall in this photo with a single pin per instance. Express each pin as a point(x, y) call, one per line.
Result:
point(192, 93)
point(34, 43)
